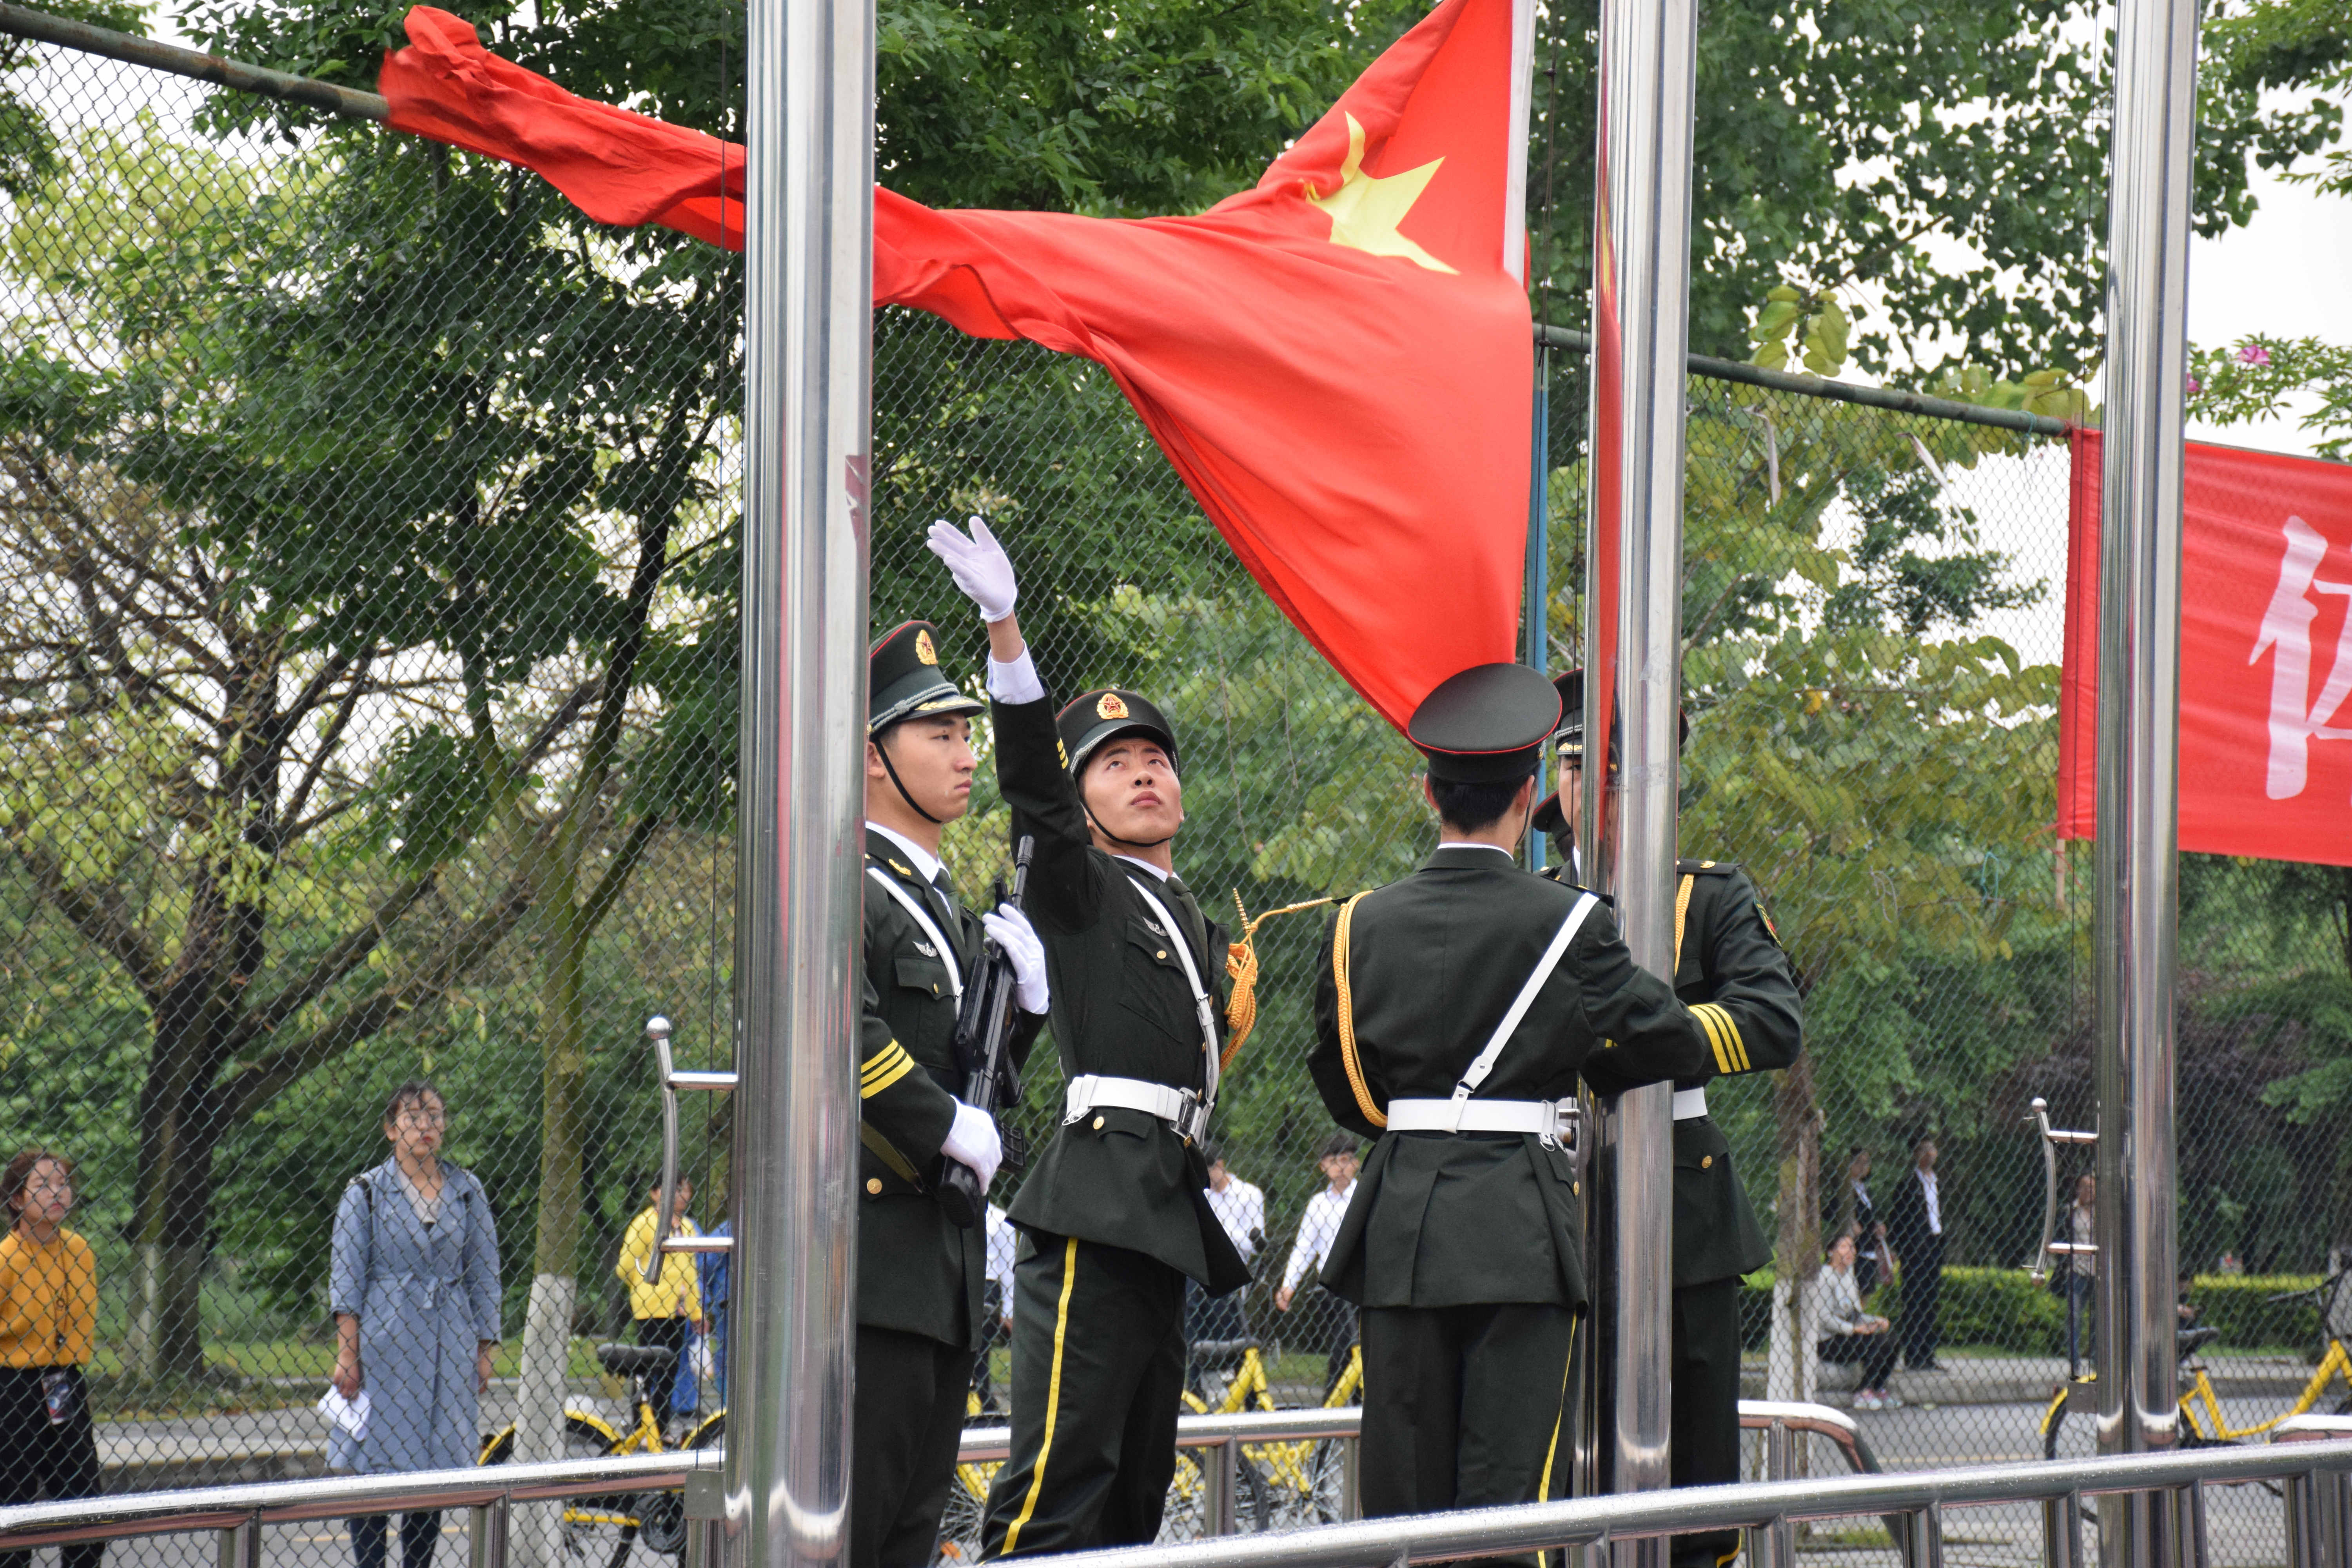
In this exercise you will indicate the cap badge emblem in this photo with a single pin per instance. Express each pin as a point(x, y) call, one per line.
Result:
point(1110, 707)
point(924, 651)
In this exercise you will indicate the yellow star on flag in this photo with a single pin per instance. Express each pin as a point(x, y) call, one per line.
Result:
point(1366, 208)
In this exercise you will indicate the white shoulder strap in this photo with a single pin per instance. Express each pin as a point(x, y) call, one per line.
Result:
point(914, 907)
point(1202, 1006)
point(1526, 998)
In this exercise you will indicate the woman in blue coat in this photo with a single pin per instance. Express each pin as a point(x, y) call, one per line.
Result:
point(415, 1290)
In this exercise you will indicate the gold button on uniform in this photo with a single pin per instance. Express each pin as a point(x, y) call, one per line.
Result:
point(1162, 954)
point(1707, 1161)
point(1098, 1123)
point(874, 1185)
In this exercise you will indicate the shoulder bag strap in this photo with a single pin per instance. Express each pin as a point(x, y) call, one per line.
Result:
point(1485, 1064)
point(1202, 1008)
point(913, 906)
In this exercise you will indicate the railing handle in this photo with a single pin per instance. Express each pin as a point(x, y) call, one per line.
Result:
point(2051, 1138)
point(666, 1205)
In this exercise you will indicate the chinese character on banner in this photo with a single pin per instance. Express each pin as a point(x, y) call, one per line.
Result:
point(2265, 655)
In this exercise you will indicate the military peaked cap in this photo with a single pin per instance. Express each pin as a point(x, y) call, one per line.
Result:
point(1093, 717)
point(1486, 724)
point(1570, 741)
point(903, 679)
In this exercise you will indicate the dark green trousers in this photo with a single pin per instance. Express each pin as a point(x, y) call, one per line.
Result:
point(909, 1418)
point(1098, 1380)
point(1705, 1451)
point(1464, 1406)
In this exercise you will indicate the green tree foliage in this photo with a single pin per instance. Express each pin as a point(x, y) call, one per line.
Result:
point(1835, 138)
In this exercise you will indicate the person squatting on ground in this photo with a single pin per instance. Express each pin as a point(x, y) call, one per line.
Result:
point(1327, 1322)
point(921, 1316)
point(667, 1311)
point(1114, 1216)
point(1454, 1010)
point(49, 1324)
point(413, 1287)
point(1732, 973)
point(1851, 1335)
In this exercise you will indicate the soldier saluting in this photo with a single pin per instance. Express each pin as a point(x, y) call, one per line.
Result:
point(1114, 1218)
point(919, 1275)
point(1730, 970)
point(1453, 1011)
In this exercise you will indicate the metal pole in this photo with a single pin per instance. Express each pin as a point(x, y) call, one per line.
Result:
point(1535, 644)
point(808, 327)
point(1641, 310)
point(2139, 672)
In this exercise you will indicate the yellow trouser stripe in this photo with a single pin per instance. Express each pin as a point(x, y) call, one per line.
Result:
point(887, 1067)
point(1053, 1398)
point(1543, 1487)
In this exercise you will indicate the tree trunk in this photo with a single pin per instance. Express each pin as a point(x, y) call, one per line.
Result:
point(1796, 1249)
point(172, 1215)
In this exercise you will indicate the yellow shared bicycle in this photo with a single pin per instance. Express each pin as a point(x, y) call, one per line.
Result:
point(1276, 1485)
point(600, 1532)
point(2202, 1424)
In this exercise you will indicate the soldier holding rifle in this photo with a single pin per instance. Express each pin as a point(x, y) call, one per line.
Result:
point(1115, 1218)
point(1730, 971)
point(928, 1152)
point(1453, 1011)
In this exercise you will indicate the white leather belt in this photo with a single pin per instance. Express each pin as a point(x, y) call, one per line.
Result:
point(1180, 1107)
point(1690, 1104)
point(1544, 1118)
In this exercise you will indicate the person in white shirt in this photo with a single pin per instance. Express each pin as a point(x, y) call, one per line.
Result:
point(1240, 1207)
point(1330, 1322)
point(1915, 1230)
point(1850, 1334)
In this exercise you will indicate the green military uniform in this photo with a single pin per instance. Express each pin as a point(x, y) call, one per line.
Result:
point(1114, 1214)
point(918, 1276)
point(1729, 968)
point(1463, 1247)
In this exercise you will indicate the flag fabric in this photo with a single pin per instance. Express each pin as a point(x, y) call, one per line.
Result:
point(2265, 655)
point(1338, 360)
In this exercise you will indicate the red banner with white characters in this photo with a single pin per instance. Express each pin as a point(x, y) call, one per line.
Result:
point(2265, 655)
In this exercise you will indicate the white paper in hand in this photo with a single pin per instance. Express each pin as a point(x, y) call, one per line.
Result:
point(349, 1414)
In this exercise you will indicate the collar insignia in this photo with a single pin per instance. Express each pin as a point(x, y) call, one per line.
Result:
point(924, 651)
point(904, 871)
point(1110, 707)
point(927, 950)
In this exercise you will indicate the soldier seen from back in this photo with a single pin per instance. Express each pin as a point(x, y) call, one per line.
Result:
point(1454, 1011)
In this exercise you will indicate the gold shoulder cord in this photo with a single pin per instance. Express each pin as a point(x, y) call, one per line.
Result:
point(1375, 1114)
point(1241, 968)
point(1682, 913)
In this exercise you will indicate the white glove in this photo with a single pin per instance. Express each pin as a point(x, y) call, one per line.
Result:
point(972, 1141)
point(1013, 933)
point(979, 566)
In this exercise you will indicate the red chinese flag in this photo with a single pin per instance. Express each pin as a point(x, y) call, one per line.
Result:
point(1338, 360)
point(2265, 655)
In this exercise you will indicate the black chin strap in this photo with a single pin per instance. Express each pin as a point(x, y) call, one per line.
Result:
point(1114, 839)
point(884, 752)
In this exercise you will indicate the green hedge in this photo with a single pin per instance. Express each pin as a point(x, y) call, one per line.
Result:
point(2004, 1309)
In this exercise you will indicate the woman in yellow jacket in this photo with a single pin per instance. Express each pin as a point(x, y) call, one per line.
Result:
point(48, 1316)
point(666, 1309)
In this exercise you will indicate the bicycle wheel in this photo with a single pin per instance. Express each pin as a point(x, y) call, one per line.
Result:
point(960, 1520)
point(2053, 1420)
point(597, 1531)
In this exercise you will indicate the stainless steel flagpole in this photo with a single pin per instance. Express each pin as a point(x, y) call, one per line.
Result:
point(1642, 336)
point(808, 320)
point(2150, 192)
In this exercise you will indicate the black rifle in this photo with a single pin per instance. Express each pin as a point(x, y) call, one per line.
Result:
point(990, 1080)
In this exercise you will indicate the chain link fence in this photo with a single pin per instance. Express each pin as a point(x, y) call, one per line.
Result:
point(367, 718)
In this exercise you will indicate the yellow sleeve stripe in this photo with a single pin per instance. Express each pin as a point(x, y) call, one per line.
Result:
point(1730, 1050)
point(886, 1066)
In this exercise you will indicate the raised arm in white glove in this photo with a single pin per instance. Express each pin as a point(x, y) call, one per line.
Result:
point(979, 566)
point(972, 1141)
point(1013, 933)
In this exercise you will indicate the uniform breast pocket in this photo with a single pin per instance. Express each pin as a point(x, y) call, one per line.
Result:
point(1153, 989)
point(927, 975)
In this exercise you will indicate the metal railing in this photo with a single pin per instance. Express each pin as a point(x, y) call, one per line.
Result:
point(2313, 1459)
point(238, 1512)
